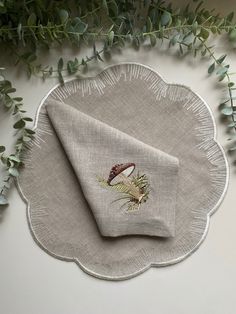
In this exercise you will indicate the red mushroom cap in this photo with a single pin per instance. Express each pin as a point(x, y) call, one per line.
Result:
point(127, 168)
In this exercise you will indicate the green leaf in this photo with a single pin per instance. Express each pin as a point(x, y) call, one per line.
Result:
point(60, 65)
point(231, 125)
point(222, 70)
point(221, 59)
point(105, 6)
point(10, 90)
point(18, 99)
point(227, 111)
point(230, 16)
point(204, 33)
point(29, 131)
point(188, 39)
point(3, 200)
point(2, 149)
point(195, 27)
point(222, 77)
point(149, 25)
point(32, 19)
point(14, 172)
point(27, 119)
point(153, 40)
point(19, 124)
point(203, 53)
point(174, 39)
point(136, 42)
point(165, 18)
point(26, 139)
point(111, 38)
point(3, 159)
point(14, 158)
point(59, 70)
point(80, 27)
point(7, 185)
point(232, 35)
point(60, 77)
point(114, 8)
point(211, 68)
point(70, 67)
point(63, 14)
point(230, 84)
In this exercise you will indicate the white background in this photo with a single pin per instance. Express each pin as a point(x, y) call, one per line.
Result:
point(32, 282)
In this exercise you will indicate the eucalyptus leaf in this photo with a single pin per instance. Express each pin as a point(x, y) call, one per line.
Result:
point(32, 20)
point(19, 124)
point(29, 131)
point(10, 90)
point(114, 8)
point(221, 59)
point(222, 77)
point(14, 172)
point(105, 6)
point(211, 68)
point(204, 33)
point(2, 149)
point(26, 138)
point(222, 70)
point(3, 200)
point(111, 37)
point(60, 64)
point(59, 70)
point(81, 27)
point(14, 158)
point(27, 119)
point(41, 24)
point(63, 14)
point(165, 18)
point(18, 99)
point(227, 111)
point(232, 35)
point(231, 125)
point(149, 25)
point(153, 40)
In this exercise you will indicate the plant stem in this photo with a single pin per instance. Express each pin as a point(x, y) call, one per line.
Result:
point(94, 11)
point(134, 190)
point(211, 54)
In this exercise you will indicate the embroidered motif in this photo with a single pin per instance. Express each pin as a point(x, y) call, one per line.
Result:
point(134, 189)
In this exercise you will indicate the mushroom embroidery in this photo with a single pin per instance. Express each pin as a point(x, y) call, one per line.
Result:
point(134, 189)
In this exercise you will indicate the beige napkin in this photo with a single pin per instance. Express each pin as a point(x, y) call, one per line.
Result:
point(93, 149)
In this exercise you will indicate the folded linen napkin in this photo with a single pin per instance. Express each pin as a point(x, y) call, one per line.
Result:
point(130, 186)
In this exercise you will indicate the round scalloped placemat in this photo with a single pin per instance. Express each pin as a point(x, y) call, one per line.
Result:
point(137, 101)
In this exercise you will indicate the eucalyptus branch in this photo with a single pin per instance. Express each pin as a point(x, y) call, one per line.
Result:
point(26, 28)
point(228, 111)
point(13, 162)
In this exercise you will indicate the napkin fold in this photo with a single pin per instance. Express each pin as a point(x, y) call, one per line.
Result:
point(129, 186)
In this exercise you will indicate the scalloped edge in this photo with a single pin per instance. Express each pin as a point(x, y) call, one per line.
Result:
point(167, 263)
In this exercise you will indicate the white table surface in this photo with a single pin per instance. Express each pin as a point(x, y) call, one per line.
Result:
point(32, 282)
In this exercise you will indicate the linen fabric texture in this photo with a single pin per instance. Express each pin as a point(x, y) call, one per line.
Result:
point(125, 114)
point(92, 147)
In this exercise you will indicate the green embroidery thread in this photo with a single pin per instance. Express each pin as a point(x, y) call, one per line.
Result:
point(134, 190)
